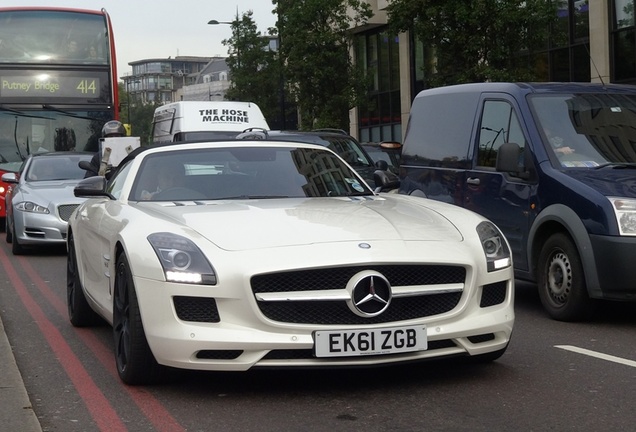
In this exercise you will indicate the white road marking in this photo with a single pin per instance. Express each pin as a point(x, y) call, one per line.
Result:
point(599, 355)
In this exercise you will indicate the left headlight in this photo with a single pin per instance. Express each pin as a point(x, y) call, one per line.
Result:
point(494, 246)
point(181, 259)
point(625, 211)
point(31, 207)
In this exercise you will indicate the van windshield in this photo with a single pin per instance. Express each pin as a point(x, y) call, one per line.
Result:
point(587, 129)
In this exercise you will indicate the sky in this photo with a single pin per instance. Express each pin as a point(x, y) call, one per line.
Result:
point(161, 28)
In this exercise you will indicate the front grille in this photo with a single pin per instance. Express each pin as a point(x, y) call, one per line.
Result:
point(337, 278)
point(196, 309)
point(65, 211)
point(337, 312)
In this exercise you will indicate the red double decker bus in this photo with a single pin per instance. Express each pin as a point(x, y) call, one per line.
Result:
point(58, 82)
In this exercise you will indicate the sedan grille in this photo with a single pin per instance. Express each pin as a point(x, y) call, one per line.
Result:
point(65, 211)
point(312, 311)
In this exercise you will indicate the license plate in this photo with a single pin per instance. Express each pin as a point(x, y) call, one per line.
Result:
point(347, 343)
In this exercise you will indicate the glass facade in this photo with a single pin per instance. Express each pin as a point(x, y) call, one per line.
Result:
point(623, 39)
point(568, 53)
point(380, 120)
point(157, 80)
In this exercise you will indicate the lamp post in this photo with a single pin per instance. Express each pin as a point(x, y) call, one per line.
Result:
point(238, 53)
point(128, 96)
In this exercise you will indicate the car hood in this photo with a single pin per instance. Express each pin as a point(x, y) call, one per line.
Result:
point(610, 181)
point(57, 191)
point(249, 224)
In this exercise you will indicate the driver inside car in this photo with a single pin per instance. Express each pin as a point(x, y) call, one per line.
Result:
point(168, 176)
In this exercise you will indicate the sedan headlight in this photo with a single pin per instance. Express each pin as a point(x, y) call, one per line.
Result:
point(181, 259)
point(494, 245)
point(31, 207)
point(625, 211)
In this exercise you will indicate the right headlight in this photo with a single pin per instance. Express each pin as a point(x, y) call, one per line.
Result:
point(625, 211)
point(31, 207)
point(181, 259)
point(494, 245)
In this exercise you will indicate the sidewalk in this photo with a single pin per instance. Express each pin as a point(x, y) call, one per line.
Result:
point(16, 412)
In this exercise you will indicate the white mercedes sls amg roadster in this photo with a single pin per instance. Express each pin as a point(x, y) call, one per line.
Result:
point(242, 254)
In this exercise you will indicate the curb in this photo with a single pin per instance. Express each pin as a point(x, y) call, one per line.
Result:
point(16, 411)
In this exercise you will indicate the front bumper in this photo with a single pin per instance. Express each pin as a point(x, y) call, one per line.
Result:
point(237, 336)
point(614, 258)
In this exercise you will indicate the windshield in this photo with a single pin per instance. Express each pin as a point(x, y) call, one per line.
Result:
point(57, 167)
point(53, 37)
point(244, 173)
point(45, 130)
point(587, 130)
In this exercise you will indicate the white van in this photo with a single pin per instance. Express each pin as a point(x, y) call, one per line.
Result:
point(202, 120)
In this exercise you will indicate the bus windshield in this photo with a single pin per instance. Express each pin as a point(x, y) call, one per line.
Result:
point(44, 130)
point(53, 37)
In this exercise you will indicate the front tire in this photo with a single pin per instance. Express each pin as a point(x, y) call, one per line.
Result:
point(135, 361)
point(7, 230)
point(561, 281)
point(16, 247)
point(79, 312)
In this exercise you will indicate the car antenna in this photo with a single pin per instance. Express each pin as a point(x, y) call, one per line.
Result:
point(594, 64)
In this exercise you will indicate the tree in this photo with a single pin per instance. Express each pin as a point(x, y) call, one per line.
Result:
point(477, 40)
point(137, 115)
point(315, 48)
point(255, 69)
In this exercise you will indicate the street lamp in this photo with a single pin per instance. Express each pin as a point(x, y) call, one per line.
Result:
point(238, 53)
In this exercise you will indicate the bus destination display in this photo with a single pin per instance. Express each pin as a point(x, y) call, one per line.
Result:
point(48, 86)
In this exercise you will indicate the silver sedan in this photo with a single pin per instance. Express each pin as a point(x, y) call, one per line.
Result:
point(41, 199)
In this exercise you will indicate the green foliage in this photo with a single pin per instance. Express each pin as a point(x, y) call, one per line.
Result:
point(315, 49)
point(137, 114)
point(477, 40)
point(255, 69)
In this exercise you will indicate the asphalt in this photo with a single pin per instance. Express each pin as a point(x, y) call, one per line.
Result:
point(16, 411)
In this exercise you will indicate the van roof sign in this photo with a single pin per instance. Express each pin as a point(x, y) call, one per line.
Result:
point(203, 116)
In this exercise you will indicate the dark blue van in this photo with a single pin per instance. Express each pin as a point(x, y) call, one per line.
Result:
point(552, 164)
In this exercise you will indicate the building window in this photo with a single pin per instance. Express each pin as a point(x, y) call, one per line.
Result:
point(623, 39)
point(567, 53)
point(380, 120)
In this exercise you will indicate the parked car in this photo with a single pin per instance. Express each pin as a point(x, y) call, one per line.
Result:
point(277, 254)
point(337, 140)
point(552, 164)
point(387, 151)
point(41, 199)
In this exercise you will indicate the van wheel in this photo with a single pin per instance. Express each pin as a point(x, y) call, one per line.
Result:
point(561, 281)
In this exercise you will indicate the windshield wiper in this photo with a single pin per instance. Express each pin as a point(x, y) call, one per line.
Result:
point(22, 114)
point(67, 113)
point(617, 165)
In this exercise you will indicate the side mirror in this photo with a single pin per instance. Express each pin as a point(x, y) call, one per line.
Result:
point(10, 177)
point(510, 160)
point(87, 166)
point(92, 187)
point(385, 180)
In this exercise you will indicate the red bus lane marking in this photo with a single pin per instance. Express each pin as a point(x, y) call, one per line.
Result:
point(102, 412)
point(160, 418)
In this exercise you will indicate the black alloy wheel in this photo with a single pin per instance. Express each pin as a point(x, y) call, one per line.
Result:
point(135, 362)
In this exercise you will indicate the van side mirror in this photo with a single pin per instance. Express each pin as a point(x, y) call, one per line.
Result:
point(510, 160)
